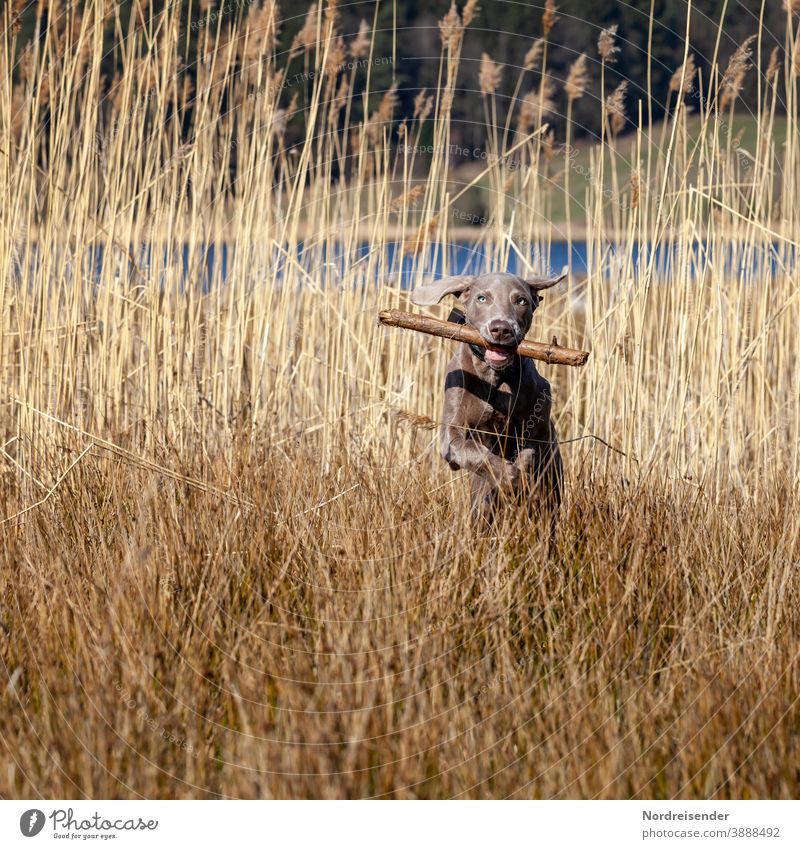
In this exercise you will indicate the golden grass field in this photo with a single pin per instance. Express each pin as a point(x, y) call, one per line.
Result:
point(233, 563)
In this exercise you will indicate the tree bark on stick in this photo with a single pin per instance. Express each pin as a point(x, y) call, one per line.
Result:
point(553, 353)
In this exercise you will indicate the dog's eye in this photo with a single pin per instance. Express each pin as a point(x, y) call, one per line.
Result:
point(521, 302)
point(481, 298)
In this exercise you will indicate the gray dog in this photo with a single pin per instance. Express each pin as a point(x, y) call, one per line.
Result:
point(496, 415)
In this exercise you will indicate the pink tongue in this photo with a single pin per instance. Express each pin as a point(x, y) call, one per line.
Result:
point(496, 357)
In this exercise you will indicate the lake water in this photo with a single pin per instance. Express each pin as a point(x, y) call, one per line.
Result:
point(326, 265)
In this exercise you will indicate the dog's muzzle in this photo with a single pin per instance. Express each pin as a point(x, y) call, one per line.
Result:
point(495, 356)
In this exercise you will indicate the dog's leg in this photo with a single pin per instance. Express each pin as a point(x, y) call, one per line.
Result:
point(554, 473)
point(484, 503)
point(541, 479)
point(463, 452)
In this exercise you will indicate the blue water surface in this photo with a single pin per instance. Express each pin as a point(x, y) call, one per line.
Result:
point(328, 264)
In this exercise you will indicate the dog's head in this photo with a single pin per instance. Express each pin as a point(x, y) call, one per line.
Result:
point(499, 306)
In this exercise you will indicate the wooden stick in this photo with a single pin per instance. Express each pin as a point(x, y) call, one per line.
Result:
point(552, 353)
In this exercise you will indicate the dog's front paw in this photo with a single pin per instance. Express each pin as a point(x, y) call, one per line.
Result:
point(511, 479)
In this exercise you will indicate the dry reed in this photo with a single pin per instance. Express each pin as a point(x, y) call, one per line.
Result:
point(230, 568)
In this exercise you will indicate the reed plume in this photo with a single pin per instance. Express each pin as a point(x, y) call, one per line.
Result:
point(338, 102)
point(606, 44)
point(470, 12)
point(489, 75)
point(337, 53)
point(772, 68)
point(534, 55)
point(423, 106)
point(549, 17)
point(360, 45)
point(263, 24)
point(451, 28)
point(407, 199)
point(578, 79)
point(615, 108)
point(332, 13)
point(15, 17)
point(306, 38)
point(388, 104)
point(415, 420)
point(733, 78)
point(536, 104)
point(682, 79)
point(384, 113)
point(636, 183)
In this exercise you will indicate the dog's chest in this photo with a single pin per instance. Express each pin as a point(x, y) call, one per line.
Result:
point(516, 406)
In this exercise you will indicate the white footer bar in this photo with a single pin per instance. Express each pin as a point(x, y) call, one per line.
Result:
point(406, 825)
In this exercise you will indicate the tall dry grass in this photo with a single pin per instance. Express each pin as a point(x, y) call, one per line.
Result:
point(232, 562)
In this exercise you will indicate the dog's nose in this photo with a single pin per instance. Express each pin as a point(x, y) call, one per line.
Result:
point(502, 332)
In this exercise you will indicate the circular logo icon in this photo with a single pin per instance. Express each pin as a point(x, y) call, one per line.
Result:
point(31, 822)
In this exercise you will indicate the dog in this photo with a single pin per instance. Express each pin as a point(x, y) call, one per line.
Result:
point(497, 407)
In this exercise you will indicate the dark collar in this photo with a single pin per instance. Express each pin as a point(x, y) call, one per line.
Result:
point(457, 317)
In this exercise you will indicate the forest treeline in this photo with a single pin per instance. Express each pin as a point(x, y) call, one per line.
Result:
point(406, 46)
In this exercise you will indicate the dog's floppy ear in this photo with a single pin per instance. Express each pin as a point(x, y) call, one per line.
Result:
point(539, 284)
point(426, 296)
